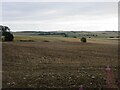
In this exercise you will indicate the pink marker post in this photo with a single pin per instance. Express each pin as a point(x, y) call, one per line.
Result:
point(110, 80)
point(81, 87)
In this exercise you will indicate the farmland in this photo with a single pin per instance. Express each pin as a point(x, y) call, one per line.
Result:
point(57, 61)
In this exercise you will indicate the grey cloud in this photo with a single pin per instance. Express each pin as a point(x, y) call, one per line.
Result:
point(38, 10)
point(60, 15)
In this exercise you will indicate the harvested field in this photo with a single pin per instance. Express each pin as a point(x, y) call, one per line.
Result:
point(57, 64)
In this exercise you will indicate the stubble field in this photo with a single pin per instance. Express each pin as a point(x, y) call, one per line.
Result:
point(58, 64)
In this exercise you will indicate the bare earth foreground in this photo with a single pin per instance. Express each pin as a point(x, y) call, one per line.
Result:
point(57, 64)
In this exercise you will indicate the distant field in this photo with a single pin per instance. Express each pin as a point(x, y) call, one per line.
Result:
point(67, 39)
point(43, 38)
point(78, 34)
point(58, 62)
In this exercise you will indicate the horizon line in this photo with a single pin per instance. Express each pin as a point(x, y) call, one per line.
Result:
point(65, 31)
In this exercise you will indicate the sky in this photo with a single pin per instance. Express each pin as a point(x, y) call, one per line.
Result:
point(60, 16)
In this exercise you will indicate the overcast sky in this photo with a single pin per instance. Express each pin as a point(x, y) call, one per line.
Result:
point(60, 16)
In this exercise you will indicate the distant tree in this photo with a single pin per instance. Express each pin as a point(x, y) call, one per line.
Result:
point(118, 37)
point(111, 37)
point(6, 34)
point(65, 35)
point(83, 39)
point(74, 37)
